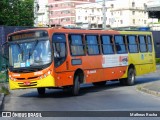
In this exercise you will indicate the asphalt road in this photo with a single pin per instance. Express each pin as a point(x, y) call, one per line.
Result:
point(112, 97)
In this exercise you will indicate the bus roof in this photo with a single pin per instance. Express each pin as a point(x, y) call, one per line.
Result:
point(82, 31)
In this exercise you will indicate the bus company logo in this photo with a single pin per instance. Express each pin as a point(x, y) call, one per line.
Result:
point(123, 60)
point(16, 75)
point(6, 114)
point(38, 73)
point(91, 71)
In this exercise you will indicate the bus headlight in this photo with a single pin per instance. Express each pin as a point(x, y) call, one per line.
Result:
point(49, 72)
point(45, 75)
point(14, 79)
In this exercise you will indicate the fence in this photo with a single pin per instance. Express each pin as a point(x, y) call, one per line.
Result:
point(3, 70)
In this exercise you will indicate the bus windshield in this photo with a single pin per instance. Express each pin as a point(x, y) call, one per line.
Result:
point(29, 54)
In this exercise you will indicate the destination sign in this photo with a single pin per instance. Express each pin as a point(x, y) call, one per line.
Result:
point(28, 35)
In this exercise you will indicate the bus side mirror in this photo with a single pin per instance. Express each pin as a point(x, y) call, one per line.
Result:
point(58, 47)
point(4, 50)
point(4, 67)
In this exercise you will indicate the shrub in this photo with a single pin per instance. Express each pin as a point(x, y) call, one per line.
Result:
point(4, 90)
point(157, 60)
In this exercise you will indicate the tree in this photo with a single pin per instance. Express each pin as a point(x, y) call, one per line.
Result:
point(17, 12)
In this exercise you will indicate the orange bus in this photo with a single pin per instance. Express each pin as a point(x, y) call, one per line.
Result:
point(65, 58)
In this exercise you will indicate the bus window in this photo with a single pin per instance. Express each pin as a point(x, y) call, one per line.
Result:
point(142, 43)
point(132, 44)
point(107, 45)
point(76, 45)
point(59, 46)
point(120, 44)
point(149, 43)
point(92, 44)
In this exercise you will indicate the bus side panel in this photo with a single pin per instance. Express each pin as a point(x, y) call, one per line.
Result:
point(64, 78)
point(105, 74)
point(143, 62)
point(94, 69)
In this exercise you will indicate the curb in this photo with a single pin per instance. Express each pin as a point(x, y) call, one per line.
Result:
point(145, 90)
point(1, 99)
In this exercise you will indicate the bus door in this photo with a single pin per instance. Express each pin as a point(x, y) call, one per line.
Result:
point(60, 51)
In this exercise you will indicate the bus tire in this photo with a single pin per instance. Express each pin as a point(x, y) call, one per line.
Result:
point(131, 77)
point(41, 91)
point(102, 83)
point(76, 86)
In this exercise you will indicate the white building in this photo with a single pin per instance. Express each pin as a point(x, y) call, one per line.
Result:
point(119, 14)
point(129, 13)
point(90, 15)
point(41, 14)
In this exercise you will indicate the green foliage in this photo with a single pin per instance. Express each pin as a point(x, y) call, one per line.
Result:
point(2, 77)
point(157, 60)
point(17, 12)
point(4, 90)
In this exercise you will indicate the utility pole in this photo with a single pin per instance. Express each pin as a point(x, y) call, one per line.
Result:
point(48, 6)
point(104, 14)
point(49, 16)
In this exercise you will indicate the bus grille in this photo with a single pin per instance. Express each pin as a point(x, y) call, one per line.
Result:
point(27, 85)
point(27, 78)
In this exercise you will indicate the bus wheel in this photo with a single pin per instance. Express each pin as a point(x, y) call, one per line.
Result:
point(76, 86)
point(131, 77)
point(102, 83)
point(41, 91)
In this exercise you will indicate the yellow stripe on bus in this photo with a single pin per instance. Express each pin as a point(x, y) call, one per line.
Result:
point(48, 81)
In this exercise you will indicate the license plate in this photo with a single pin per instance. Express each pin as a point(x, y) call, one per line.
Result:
point(27, 83)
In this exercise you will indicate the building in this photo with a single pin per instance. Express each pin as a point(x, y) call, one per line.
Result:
point(127, 14)
point(153, 8)
point(41, 13)
point(62, 12)
point(90, 15)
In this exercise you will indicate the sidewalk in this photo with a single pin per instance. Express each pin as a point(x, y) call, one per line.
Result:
point(152, 88)
point(1, 99)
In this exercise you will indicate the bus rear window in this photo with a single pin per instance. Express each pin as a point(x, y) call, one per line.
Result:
point(149, 43)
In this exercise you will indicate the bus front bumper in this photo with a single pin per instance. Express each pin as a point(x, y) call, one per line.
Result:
point(48, 81)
